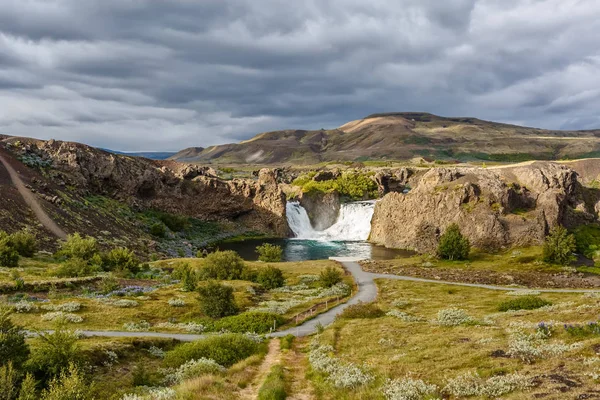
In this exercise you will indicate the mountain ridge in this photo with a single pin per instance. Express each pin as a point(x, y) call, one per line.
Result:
point(403, 136)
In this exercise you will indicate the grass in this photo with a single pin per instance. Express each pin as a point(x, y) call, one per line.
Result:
point(273, 388)
point(392, 348)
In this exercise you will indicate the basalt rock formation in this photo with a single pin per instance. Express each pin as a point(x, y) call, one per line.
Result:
point(495, 208)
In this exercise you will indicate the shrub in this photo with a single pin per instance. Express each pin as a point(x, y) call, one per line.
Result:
point(78, 247)
point(559, 247)
point(188, 277)
point(453, 317)
point(330, 276)
point(587, 238)
point(62, 317)
point(25, 306)
point(225, 350)
point(217, 300)
point(108, 284)
point(408, 389)
point(194, 368)
point(453, 245)
point(122, 259)
point(158, 229)
point(268, 252)
point(24, 243)
point(8, 382)
point(590, 329)
point(362, 310)
point(523, 303)
point(75, 267)
point(13, 347)
point(54, 353)
point(176, 223)
point(341, 374)
point(69, 385)
point(403, 316)
point(28, 389)
point(176, 302)
point(273, 387)
point(352, 185)
point(223, 265)
point(9, 257)
point(257, 322)
point(270, 277)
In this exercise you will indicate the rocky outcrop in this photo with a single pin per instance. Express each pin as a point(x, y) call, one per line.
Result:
point(322, 208)
point(495, 208)
point(191, 190)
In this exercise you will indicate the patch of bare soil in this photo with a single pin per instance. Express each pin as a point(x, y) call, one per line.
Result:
point(537, 279)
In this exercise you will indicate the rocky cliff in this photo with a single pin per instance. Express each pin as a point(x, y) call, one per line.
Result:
point(79, 170)
point(495, 207)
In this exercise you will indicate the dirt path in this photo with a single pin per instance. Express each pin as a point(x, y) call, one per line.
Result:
point(273, 357)
point(32, 201)
point(300, 388)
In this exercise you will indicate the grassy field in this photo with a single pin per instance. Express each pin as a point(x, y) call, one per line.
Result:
point(414, 344)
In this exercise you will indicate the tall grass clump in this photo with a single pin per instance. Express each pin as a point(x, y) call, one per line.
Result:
point(273, 387)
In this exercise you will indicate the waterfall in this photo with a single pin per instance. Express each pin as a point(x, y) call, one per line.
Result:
point(352, 224)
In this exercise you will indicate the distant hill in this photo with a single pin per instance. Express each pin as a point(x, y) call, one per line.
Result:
point(189, 154)
point(152, 155)
point(402, 136)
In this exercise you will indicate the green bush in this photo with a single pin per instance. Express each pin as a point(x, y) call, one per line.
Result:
point(217, 300)
point(24, 243)
point(28, 389)
point(223, 265)
point(559, 247)
point(75, 267)
point(362, 310)
point(69, 385)
point(523, 303)
point(8, 382)
point(352, 185)
point(187, 276)
point(329, 277)
point(273, 387)
point(270, 277)
point(9, 257)
point(225, 350)
point(158, 229)
point(286, 342)
point(268, 252)
point(77, 246)
point(176, 223)
point(55, 352)
point(13, 347)
point(587, 238)
point(123, 260)
point(256, 322)
point(453, 245)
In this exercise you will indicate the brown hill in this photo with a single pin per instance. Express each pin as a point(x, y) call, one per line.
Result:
point(191, 153)
point(403, 136)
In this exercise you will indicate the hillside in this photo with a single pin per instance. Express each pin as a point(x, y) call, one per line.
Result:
point(153, 155)
point(403, 136)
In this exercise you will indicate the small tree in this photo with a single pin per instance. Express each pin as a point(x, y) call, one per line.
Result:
point(55, 353)
point(453, 245)
point(78, 247)
point(217, 300)
point(28, 389)
point(559, 246)
point(24, 243)
point(122, 259)
point(75, 267)
point(223, 265)
point(8, 382)
point(9, 257)
point(330, 276)
point(158, 229)
point(69, 385)
point(13, 347)
point(270, 277)
point(268, 252)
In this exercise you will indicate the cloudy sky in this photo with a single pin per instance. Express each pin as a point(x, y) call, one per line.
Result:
point(169, 74)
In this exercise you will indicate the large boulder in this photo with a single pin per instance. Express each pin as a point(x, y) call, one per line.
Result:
point(323, 209)
point(495, 208)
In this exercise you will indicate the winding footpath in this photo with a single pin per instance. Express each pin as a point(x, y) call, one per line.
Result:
point(31, 200)
point(367, 292)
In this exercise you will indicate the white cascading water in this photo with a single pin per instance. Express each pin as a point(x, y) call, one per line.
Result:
point(353, 223)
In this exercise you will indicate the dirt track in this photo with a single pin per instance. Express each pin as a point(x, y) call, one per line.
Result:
point(32, 201)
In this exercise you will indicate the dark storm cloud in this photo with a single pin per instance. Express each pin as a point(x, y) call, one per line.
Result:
point(161, 75)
